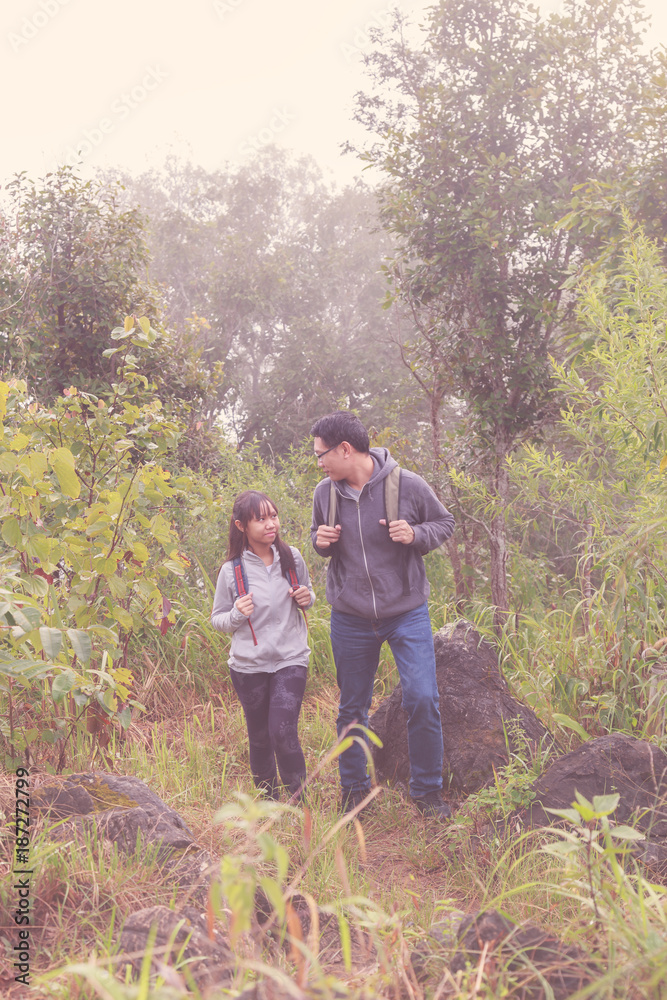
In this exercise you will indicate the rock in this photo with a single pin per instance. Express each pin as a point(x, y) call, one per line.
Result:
point(528, 954)
point(329, 947)
point(212, 962)
point(479, 715)
point(122, 808)
point(438, 947)
point(637, 770)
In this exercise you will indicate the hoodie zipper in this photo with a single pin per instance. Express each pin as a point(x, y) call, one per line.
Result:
point(363, 552)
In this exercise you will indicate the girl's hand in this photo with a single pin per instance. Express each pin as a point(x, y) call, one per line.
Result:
point(301, 595)
point(245, 605)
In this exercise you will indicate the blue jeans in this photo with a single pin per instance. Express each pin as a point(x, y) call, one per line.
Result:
point(356, 644)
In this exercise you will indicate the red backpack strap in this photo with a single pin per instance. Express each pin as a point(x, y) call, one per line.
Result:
point(239, 578)
point(242, 587)
point(293, 580)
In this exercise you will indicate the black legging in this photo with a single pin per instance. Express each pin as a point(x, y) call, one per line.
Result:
point(271, 703)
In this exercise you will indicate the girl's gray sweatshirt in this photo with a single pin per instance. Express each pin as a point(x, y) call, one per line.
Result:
point(282, 636)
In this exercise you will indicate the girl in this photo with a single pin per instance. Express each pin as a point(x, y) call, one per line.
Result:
point(269, 655)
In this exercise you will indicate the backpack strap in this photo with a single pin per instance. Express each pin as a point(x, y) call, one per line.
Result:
point(293, 580)
point(392, 490)
point(241, 583)
point(331, 516)
point(392, 495)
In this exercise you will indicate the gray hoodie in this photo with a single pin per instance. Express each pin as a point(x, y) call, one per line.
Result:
point(369, 575)
point(282, 637)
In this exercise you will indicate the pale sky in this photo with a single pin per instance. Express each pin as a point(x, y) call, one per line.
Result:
point(129, 81)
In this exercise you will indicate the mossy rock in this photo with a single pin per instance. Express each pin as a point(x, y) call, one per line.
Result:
point(123, 809)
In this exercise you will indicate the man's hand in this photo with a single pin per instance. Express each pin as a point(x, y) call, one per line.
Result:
point(301, 595)
point(400, 531)
point(326, 536)
point(245, 605)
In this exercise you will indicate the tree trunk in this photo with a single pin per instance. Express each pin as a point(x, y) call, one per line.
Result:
point(498, 534)
point(461, 581)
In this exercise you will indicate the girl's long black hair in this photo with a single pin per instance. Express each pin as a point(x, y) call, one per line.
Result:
point(249, 504)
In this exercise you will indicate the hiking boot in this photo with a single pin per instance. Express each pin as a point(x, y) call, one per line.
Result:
point(432, 806)
point(351, 799)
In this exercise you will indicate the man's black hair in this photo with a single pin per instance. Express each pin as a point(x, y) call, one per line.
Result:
point(342, 426)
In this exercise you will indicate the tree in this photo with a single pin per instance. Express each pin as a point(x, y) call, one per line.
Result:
point(75, 262)
point(73, 265)
point(481, 133)
point(281, 275)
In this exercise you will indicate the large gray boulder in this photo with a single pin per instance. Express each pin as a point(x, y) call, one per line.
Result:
point(539, 966)
point(616, 763)
point(178, 936)
point(125, 811)
point(480, 716)
point(124, 807)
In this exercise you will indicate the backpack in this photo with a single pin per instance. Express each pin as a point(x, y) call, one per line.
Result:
point(392, 489)
point(241, 582)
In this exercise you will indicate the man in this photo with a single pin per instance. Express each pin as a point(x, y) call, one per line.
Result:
point(377, 588)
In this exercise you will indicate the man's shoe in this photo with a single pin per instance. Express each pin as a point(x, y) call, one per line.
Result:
point(432, 806)
point(351, 799)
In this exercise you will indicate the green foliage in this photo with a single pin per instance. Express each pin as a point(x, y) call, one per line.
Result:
point(72, 267)
point(89, 545)
point(599, 874)
point(607, 469)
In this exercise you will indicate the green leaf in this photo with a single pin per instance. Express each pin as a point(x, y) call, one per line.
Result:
point(274, 895)
point(81, 643)
point(62, 461)
point(62, 685)
point(125, 717)
point(11, 532)
point(341, 748)
point(52, 640)
point(583, 806)
point(19, 442)
point(626, 833)
point(567, 723)
point(345, 941)
point(572, 815)
point(174, 567)
point(27, 618)
point(124, 618)
point(605, 804)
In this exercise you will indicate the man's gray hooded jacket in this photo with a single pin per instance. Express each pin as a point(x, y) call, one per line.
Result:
point(369, 575)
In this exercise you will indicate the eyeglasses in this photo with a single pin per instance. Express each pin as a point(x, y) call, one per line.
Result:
point(321, 454)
